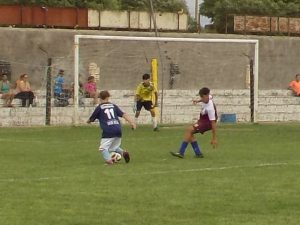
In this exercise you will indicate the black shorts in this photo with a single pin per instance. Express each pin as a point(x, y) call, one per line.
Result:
point(147, 105)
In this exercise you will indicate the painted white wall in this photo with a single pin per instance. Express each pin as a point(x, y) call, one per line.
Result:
point(136, 20)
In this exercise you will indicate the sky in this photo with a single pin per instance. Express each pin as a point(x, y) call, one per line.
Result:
point(191, 5)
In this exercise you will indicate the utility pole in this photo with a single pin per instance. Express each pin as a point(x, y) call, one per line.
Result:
point(153, 17)
point(197, 14)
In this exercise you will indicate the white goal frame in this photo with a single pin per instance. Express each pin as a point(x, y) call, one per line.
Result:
point(163, 39)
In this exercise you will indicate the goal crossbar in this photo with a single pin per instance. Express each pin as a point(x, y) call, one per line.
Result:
point(164, 39)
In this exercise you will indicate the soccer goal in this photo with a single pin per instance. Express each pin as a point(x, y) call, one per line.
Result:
point(229, 67)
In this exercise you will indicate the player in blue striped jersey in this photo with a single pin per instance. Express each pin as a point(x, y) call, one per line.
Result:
point(108, 115)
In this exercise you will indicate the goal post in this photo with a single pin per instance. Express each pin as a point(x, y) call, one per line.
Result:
point(159, 40)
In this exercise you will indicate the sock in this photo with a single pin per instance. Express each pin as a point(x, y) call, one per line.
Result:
point(105, 154)
point(183, 147)
point(154, 122)
point(196, 147)
point(120, 151)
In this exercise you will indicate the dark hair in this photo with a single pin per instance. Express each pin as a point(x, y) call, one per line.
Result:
point(146, 76)
point(23, 75)
point(297, 75)
point(90, 78)
point(104, 94)
point(204, 91)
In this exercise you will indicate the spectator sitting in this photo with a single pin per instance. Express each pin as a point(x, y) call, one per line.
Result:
point(7, 93)
point(59, 83)
point(295, 85)
point(90, 89)
point(24, 91)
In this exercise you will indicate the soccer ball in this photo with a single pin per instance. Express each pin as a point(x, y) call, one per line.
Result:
point(115, 157)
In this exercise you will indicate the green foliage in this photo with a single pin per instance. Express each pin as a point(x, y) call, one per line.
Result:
point(217, 9)
point(192, 25)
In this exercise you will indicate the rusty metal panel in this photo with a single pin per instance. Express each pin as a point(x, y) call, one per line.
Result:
point(10, 15)
point(26, 16)
point(38, 15)
point(82, 15)
point(62, 17)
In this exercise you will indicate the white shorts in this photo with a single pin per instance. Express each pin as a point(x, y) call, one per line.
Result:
point(111, 144)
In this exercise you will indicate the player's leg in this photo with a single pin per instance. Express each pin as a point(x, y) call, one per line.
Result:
point(116, 147)
point(139, 106)
point(188, 137)
point(149, 107)
point(104, 147)
point(201, 126)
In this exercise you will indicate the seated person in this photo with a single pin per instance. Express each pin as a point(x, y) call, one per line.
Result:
point(90, 89)
point(23, 90)
point(59, 83)
point(5, 90)
point(295, 85)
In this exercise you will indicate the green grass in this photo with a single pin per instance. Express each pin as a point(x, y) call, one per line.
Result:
point(55, 176)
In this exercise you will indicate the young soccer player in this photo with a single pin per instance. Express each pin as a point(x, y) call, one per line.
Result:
point(206, 122)
point(108, 115)
point(143, 98)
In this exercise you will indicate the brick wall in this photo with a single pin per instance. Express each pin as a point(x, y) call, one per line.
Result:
point(263, 24)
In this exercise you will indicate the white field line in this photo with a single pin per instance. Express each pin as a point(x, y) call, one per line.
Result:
point(94, 140)
point(216, 168)
point(11, 180)
point(262, 165)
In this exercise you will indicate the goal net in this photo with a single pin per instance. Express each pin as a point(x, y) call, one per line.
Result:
point(229, 67)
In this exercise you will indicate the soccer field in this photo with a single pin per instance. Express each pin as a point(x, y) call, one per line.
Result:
point(55, 176)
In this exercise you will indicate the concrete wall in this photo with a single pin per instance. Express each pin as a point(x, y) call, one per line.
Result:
point(122, 64)
point(274, 106)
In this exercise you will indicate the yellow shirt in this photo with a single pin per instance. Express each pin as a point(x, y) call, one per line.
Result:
point(145, 93)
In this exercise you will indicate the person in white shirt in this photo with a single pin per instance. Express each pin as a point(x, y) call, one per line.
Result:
point(207, 121)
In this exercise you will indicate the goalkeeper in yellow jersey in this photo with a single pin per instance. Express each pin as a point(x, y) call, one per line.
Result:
point(143, 98)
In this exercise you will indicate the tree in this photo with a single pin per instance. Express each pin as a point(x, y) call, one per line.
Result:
point(159, 5)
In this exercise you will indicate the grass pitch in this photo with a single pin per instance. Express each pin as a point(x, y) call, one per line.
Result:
point(55, 176)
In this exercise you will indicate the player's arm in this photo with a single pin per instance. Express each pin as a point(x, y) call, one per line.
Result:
point(137, 96)
point(214, 141)
point(94, 116)
point(195, 101)
point(128, 119)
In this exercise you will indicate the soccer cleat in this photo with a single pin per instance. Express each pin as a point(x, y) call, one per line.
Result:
point(155, 129)
point(199, 156)
point(177, 154)
point(126, 156)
